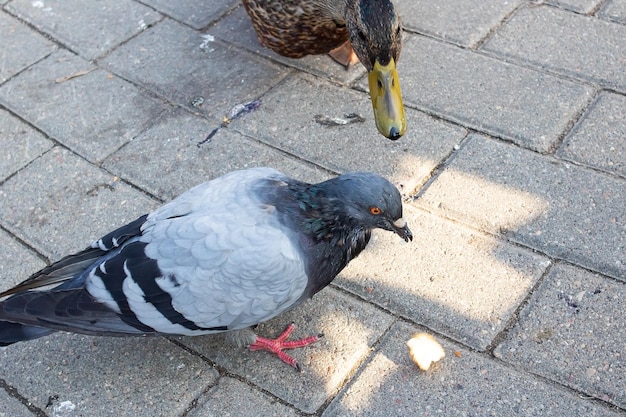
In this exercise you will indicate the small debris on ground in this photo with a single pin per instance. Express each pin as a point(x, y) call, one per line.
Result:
point(206, 40)
point(197, 102)
point(63, 409)
point(74, 75)
point(425, 350)
point(241, 109)
point(337, 121)
point(234, 113)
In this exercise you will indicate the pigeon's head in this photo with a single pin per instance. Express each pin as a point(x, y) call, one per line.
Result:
point(371, 201)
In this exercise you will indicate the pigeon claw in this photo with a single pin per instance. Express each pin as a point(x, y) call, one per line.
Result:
point(278, 345)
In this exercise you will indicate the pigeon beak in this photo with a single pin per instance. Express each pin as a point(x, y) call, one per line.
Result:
point(387, 100)
point(402, 230)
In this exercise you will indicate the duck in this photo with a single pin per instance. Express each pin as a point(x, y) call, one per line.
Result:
point(368, 31)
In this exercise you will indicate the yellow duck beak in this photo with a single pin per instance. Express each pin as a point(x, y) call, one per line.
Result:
point(387, 100)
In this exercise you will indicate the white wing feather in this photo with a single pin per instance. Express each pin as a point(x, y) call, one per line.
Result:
point(234, 264)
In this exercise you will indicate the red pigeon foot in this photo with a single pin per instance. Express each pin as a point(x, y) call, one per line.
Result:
point(279, 344)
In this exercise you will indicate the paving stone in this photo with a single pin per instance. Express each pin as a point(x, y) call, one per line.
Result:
point(614, 10)
point(60, 96)
point(293, 118)
point(454, 280)
point(192, 12)
point(104, 376)
point(531, 108)
point(11, 407)
point(20, 144)
point(237, 29)
point(490, 216)
point(16, 262)
point(188, 67)
point(464, 22)
point(350, 328)
point(235, 398)
point(563, 210)
point(573, 331)
point(89, 28)
point(599, 140)
point(170, 157)
point(581, 6)
point(469, 384)
point(584, 47)
point(21, 46)
point(60, 204)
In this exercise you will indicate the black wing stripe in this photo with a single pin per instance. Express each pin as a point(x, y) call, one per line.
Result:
point(117, 237)
point(144, 272)
point(113, 282)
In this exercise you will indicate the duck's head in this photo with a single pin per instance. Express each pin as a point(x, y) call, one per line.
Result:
point(376, 37)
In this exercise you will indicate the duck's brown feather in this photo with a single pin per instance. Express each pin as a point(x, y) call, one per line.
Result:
point(295, 28)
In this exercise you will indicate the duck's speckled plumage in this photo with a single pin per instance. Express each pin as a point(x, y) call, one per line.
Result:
point(296, 28)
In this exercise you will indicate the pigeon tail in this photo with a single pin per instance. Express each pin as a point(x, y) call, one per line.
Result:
point(14, 332)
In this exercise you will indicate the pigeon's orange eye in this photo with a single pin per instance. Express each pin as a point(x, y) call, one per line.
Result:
point(375, 210)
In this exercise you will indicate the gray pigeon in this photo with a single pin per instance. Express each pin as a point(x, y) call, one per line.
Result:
point(222, 257)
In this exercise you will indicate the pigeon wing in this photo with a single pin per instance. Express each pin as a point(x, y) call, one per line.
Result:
point(213, 259)
point(68, 306)
point(73, 266)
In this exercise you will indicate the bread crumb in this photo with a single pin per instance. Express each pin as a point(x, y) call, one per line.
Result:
point(425, 350)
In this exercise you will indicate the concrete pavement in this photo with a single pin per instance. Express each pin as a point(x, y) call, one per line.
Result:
point(513, 168)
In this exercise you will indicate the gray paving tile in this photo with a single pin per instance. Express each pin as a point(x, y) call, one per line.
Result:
point(103, 376)
point(184, 65)
point(11, 406)
point(60, 204)
point(235, 398)
point(20, 143)
point(194, 13)
point(573, 331)
point(466, 385)
point(16, 262)
point(560, 209)
point(614, 10)
point(463, 22)
point(580, 46)
point(89, 28)
point(581, 6)
point(531, 108)
point(167, 160)
point(85, 108)
point(21, 46)
point(477, 224)
point(454, 280)
point(599, 140)
point(237, 29)
point(287, 120)
point(350, 328)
